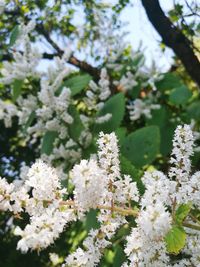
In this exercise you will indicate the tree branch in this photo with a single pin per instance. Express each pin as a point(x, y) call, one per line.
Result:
point(8, 57)
point(173, 38)
point(82, 65)
point(94, 72)
point(124, 211)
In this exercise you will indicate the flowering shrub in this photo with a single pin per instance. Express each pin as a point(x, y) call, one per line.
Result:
point(90, 180)
point(166, 220)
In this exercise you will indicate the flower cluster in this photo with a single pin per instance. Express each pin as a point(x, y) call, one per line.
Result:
point(90, 183)
point(146, 246)
point(127, 82)
point(96, 185)
point(99, 184)
point(7, 112)
point(58, 102)
point(139, 108)
point(24, 63)
point(97, 94)
point(52, 108)
point(40, 197)
point(2, 6)
point(45, 107)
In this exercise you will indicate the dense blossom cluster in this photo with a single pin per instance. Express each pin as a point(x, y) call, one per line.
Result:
point(139, 108)
point(49, 107)
point(40, 197)
point(96, 95)
point(52, 109)
point(2, 6)
point(146, 244)
point(7, 112)
point(90, 183)
point(99, 184)
point(96, 186)
point(24, 64)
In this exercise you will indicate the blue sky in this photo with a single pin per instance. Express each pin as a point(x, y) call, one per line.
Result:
point(141, 30)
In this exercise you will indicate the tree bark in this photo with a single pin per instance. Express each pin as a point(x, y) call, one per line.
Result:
point(173, 38)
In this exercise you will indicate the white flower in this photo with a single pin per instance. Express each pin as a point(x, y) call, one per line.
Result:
point(94, 246)
point(126, 190)
point(108, 155)
point(19, 199)
point(104, 118)
point(85, 138)
point(154, 221)
point(139, 107)
point(27, 107)
point(23, 171)
point(193, 247)
point(25, 63)
point(98, 93)
point(43, 229)
point(44, 181)
point(72, 153)
point(78, 258)
point(88, 257)
point(127, 82)
point(90, 184)
point(7, 112)
point(98, 184)
point(54, 258)
point(183, 143)
point(153, 182)
point(2, 6)
point(142, 251)
point(5, 191)
point(104, 85)
point(24, 32)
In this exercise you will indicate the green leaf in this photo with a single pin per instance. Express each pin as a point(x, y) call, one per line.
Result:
point(115, 106)
point(193, 110)
point(166, 137)
point(119, 257)
point(134, 93)
point(175, 239)
point(91, 221)
point(29, 121)
point(161, 118)
point(16, 89)
point(108, 258)
point(14, 35)
point(121, 134)
point(47, 142)
point(182, 212)
point(76, 127)
point(142, 146)
point(91, 149)
point(138, 60)
point(76, 84)
point(173, 15)
point(180, 95)
point(168, 82)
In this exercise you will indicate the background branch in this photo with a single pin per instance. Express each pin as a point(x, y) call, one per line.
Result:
point(82, 65)
point(173, 38)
